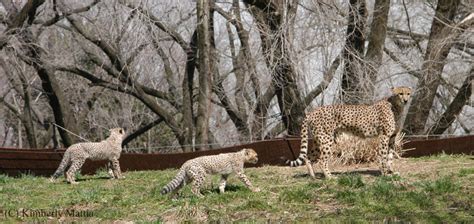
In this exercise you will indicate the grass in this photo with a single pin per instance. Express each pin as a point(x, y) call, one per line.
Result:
point(431, 189)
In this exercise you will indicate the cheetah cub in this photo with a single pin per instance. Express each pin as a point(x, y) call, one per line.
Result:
point(76, 155)
point(196, 170)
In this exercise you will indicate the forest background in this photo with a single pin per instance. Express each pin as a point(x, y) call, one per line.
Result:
point(184, 75)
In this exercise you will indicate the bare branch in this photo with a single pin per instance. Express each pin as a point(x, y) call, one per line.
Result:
point(327, 77)
point(407, 68)
point(453, 110)
point(175, 35)
point(64, 14)
point(141, 130)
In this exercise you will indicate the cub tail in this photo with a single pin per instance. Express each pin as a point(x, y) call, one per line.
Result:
point(304, 147)
point(62, 166)
point(175, 183)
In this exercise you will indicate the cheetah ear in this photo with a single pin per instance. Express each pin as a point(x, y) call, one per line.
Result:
point(394, 90)
point(246, 152)
point(121, 131)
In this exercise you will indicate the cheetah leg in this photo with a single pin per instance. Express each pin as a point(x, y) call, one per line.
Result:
point(309, 165)
point(223, 183)
point(309, 162)
point(71, 173)
point(116, 169)
point(246, 181)
point(384, 154)
point(67, 168)
point(391, 154)
point(110, 171)
point(325, 143)
point(197, 177)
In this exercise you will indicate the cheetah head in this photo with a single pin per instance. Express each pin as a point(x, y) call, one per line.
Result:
point(118, 132)
point(250, 156)
point(403, 93)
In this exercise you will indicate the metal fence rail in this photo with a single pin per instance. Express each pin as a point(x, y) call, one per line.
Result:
point(14, 162)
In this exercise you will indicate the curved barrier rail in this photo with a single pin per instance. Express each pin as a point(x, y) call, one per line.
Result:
point(14, 162)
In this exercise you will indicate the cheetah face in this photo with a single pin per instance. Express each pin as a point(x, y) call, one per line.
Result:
point(118, 132)
point(403, 93)
point(251, 156)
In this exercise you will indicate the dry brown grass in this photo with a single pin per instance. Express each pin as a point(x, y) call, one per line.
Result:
point(350, 149)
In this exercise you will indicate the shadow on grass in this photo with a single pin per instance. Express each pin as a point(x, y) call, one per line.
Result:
point(320, 175)
point(228, 188)
point(93, 178)
point(82, 179)
point(206, 192)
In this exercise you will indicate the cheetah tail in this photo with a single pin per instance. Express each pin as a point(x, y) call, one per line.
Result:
point(62, 166)
point(304, 147)
point(173, 184)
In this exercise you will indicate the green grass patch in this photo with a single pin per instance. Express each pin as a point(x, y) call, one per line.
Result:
point(352, 181)
point(286, 196)
point(298, 195)
point(3, 179)
point(466, 171)
point(440, 186)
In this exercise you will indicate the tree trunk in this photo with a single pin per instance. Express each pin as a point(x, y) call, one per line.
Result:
point(24, 114)
point(16, 18)
point(440, 42)
point(352, 78)
point(272, 18)
point(27, 114)
point(202, 122)
point(188, 120)
point(378, 31)
point(62, 111)
point(453, 110)
point(63, 114)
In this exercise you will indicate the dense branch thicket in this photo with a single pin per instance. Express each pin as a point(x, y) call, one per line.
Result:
point(201, 74)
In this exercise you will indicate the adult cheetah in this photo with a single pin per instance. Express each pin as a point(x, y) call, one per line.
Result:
point(376, 120)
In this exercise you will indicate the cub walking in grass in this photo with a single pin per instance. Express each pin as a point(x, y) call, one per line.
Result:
point(196, 170)
point(76, 155)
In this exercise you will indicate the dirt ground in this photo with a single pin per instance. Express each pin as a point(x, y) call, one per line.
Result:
point(410, 168)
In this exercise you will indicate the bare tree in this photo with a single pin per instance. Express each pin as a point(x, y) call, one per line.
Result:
point(205, 81)
point(193, 75)
point(360, 69)
point(444, 32)
point(274, 19)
